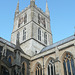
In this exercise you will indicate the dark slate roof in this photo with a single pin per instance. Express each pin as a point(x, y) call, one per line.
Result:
point(11, 45)
point(7, 42)
point(58, 43)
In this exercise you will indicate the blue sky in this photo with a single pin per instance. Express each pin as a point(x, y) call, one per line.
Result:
point(62, 15)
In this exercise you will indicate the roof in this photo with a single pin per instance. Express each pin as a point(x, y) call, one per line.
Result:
point(17, 47)
point(58, 43)
point(7, 42)
point(11, 45)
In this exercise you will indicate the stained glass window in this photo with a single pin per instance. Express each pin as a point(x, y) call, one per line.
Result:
point(68, 64)
point(38, 70)
point(51, 67)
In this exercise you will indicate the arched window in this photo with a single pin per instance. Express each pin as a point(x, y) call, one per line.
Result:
point(51, 67)
point(38, 70)
point(45, 38)
point(44, 23)
point(25, 18)
point(68, 64)
point(10, 59)
point(39, 34)
point(19, 23)
point(39, 18)
point(18, 35)
point(24, 69)
point(24, 34)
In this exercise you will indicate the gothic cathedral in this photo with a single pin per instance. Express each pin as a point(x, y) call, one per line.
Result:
point(31, 50)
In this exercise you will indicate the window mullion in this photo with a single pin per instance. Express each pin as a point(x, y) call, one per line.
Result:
point(70, 66)
point(67, 67)
point(50, 69)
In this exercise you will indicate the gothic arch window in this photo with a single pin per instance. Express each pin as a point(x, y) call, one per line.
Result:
point(24, 69)
point(19, 23)
point(10, 59)
point(39, 34)
point(45, 38)
point(39, 18)
point(38, 70)
point(51, 67)
point(24, 34)
point(25, 18)
point(68, 64)
point(18, 35)
point(44, 23)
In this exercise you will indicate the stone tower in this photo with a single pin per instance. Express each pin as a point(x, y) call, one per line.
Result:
point(32, 27)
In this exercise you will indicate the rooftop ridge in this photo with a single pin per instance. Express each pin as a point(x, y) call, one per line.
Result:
point(58, 43)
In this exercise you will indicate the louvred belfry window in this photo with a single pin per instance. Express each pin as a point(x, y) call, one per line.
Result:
point(25, 18)
point(39, 18)
point(20, 21)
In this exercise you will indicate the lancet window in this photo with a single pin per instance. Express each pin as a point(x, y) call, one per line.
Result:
point(44, 23)
point(68, 64)
point(51, 67)
point(45, 38)
point(39, 34)
point(24, 69)
point(20, 21)
point(25, 18)
point(10, 59)
point(24, 34)
point(38, 70)
point(39, 18)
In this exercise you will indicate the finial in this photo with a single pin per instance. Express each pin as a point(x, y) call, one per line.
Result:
point(17, 9)
point(18, 1)
point(32, 2)
point(47, 10)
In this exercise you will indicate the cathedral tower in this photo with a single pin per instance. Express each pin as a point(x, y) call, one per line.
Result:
point(32, 27)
